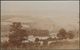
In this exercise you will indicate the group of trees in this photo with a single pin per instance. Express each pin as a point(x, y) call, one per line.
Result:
point(18, 33)
point(64, 35)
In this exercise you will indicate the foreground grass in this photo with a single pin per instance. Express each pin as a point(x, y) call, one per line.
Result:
point(52, 46)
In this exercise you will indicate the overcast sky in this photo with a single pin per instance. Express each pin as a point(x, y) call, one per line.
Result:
point(62, 12)
point(40, 8)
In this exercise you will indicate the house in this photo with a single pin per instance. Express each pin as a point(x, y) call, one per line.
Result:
point(36, 32)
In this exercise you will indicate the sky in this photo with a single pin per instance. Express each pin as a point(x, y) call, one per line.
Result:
point(40, 8)
point(62, 12)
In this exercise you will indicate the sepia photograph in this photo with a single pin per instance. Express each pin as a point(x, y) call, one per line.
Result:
point(39, 25)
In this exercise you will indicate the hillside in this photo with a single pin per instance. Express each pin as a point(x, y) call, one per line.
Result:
point(34, 22)
point(43, 23)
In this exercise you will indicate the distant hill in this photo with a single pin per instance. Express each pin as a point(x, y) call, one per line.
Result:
point(43, 23)
point(35, 22)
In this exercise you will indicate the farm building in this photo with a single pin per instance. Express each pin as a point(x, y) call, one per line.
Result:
point(36, 32)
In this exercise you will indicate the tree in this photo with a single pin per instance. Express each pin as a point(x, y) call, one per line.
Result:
point(70, 35)
point(15, 26)
point(37, 42)
point(17, 34)
point(62, 34)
